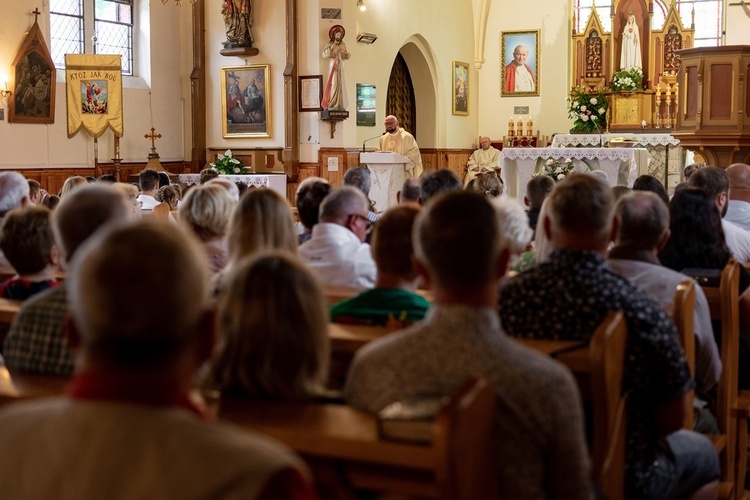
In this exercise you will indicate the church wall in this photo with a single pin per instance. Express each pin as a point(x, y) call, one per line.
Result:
point(548, 110)
point(48, 145)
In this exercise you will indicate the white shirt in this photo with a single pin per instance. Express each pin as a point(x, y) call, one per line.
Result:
point(337, 256)
point(738, 240)
point(149, 202)
point(739, 213)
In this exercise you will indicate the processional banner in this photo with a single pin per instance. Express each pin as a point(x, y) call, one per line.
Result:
point(93, 84)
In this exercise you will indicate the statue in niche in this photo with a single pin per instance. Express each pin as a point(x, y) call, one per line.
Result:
point(334, 94)
point(630, 57)
point(593, 55)
point(672, 43)
point(238, 22)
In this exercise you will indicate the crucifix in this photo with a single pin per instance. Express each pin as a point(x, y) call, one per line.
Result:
point(153, 136)
point(36, 13)
point(153, 156)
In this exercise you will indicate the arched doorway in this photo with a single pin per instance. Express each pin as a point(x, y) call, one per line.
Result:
point(400, 100)
point(413, 98)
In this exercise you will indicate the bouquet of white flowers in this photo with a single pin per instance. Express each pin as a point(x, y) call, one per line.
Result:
point(588, 109)
point(227, 164)
point(558, 170)
point(628, 80)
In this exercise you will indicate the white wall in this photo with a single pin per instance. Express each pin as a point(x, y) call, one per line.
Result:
point(430, 33)
point(549, 109)
point(48, 145)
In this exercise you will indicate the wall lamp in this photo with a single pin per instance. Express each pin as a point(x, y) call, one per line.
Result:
point(6, 92)
point(361, 5)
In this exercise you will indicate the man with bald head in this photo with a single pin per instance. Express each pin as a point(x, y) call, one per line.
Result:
point(643, 230)
point(142, 328)
point(400, 141)
point(482, 160)
point(337, 251)
point(739, 195)
point(569, 295)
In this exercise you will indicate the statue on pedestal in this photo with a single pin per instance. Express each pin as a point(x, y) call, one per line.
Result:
point(630, 57)
point(238, 22)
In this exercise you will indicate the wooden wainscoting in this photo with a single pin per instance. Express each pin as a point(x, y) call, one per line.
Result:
point(52, 179)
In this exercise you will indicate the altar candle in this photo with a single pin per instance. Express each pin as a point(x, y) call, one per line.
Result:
point(519, 126)
point(529, 127)
point(511, 124)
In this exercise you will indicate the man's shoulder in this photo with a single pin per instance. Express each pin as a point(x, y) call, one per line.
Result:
point(48, 303)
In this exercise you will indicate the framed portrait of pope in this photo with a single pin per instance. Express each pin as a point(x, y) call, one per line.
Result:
point(520, 68)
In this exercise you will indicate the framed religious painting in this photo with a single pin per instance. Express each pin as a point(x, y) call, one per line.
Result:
point(33, 82)
point(460, 88)
point(246, 101)
point(520, 62)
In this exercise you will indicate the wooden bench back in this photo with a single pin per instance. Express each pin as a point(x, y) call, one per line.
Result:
point(458, 464)
point(724, 304)
point(607, 357)
point(683, 314)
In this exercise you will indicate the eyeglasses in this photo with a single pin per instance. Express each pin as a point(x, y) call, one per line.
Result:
point(364, 218)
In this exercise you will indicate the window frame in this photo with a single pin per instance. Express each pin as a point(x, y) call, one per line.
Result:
point(89, 35)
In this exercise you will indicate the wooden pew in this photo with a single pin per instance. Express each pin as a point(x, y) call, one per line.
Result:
point(345, 341)
point(7, 272)
point(599, 368)
point(683, 310)
point(343, 448)
point(723, 301)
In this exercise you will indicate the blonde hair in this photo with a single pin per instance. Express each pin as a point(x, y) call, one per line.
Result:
point(273, 323)
point(262, 221)
point(206, 210)
point(71, 184)
point(128, 190)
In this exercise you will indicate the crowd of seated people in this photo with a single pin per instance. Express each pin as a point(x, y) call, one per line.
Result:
point(232, 299)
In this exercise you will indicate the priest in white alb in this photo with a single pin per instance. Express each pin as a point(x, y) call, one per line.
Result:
point(400, 141)
point(482, 160)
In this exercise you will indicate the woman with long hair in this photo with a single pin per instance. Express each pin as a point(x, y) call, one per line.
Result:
point(273, 327)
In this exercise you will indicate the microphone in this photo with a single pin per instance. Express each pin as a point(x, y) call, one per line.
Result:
point(599, 131)
point(371, 138)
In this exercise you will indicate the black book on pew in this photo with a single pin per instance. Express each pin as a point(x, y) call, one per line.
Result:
point(410, 420)
point(705, 277)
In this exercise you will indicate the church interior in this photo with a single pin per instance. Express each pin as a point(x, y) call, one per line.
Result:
point(176, 77)
point(298, 89)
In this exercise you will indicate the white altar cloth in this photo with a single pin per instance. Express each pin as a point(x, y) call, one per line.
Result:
point(520, 164)
point(276, 182)
point(594, 140)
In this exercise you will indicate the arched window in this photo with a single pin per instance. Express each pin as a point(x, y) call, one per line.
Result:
point(584, 9)
point(98, 26)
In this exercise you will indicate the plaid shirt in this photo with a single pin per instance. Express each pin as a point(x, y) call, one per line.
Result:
point(36, 341)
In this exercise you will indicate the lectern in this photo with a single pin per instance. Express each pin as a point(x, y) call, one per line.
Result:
point(387, 176)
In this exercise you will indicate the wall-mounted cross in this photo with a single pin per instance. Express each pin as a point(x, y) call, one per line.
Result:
point(153, 136)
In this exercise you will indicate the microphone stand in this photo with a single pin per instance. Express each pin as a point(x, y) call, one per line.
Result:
point(371, 138)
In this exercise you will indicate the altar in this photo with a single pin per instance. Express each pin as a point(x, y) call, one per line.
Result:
point(519, 164)
point(276, 182)
point(662, 147)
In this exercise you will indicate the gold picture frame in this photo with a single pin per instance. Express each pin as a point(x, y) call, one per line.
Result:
point(460, 88)
point(528, 82)
point(33, 82)
point(246, 101)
